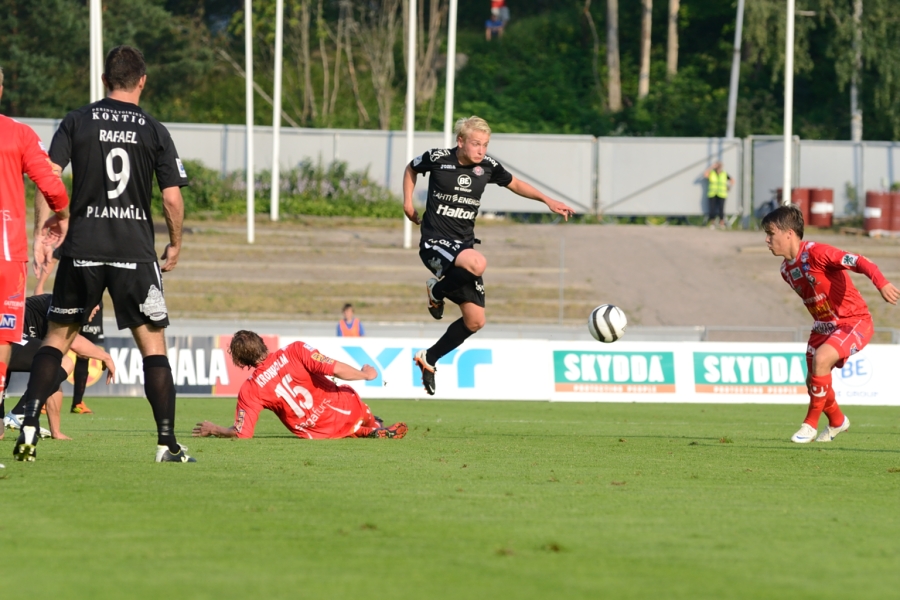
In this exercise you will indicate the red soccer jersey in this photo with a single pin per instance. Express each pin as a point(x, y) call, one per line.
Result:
point(21, 151)
point(819, 275)
point(293, 383)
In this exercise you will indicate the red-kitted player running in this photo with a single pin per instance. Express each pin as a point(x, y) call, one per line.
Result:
point(843, 324)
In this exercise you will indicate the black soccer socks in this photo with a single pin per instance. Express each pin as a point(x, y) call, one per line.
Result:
point(159, 387)
point(80, 380)
point(453, 338)
point(43, 382)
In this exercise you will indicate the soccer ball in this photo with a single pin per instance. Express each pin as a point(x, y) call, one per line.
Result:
point(607, 323)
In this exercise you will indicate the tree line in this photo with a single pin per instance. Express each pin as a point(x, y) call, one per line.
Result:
point(600, 67)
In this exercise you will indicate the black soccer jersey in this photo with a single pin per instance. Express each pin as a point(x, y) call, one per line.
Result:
point(454, 192)
point(115, 149)
point(36, 308)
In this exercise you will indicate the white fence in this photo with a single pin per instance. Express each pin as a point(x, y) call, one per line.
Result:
point(607, 175)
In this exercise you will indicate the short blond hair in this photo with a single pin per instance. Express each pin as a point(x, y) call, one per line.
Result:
point(467, 125)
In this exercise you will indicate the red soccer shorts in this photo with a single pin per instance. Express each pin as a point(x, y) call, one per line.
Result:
point(12, 292)
point(849, 338)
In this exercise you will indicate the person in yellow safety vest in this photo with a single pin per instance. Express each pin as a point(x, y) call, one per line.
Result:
point(349, 326)
point(717, 192)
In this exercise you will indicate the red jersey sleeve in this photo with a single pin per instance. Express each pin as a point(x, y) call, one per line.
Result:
point(311, 359)
point(36, 164)
point(247, 412)
point(833, 258)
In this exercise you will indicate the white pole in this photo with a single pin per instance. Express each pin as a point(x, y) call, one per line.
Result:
point(276, 111)
point(788, 103)
point(451, 75)
point(410, 105)
point(248, 68)
point(735, 72)
point(96, 54)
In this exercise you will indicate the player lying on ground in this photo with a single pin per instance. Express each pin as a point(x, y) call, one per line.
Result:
point(23, 354)
point(842, 323)
point(458, 178)
point(294, 384)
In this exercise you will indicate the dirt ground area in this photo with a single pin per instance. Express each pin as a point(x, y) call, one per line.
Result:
point(660, 275)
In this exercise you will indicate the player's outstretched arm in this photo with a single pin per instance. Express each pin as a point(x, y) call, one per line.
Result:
point(173, 207)
point(210, 429)
point(890, 293)
point(409, 186)
point(84, 348)
point(526, 190)
point(348, 373)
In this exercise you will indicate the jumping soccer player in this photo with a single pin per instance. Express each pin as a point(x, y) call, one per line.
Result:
point(115, 149)
point(458, 178)
point(842, 323)
point(23, 354)
point(21, 151)
point(294, 384)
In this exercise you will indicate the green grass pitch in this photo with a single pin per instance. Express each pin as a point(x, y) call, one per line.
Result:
point(481, 500)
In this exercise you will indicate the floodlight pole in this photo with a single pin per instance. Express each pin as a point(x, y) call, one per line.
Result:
point(276, 111)
point(735, 72)
point(451, 75)
point(410, 105)
point(248, 93)
point(788, 104)
point(96, 54)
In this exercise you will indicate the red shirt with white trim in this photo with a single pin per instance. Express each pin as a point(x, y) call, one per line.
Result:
point(21, 151)
point(819, 276)
point(294, 383)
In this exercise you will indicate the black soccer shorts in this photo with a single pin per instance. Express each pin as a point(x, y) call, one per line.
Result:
point(136, 290)
point(439, 255)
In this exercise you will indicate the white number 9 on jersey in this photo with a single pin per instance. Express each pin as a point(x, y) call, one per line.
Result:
point(119, 177)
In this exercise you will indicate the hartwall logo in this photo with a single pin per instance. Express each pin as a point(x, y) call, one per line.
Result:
point(614, 372)
point(465, 362)
point(749, 373)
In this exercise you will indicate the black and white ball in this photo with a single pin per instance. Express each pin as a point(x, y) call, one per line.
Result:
point(607, 323)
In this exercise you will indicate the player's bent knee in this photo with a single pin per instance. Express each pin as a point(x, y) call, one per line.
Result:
point(474, 324)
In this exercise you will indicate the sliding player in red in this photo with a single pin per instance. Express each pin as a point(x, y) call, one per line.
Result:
point(294, 384)
point(842, 323)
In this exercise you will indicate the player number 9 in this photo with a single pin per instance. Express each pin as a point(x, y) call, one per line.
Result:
point(120, 177)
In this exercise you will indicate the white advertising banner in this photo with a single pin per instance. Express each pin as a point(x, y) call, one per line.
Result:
point(482, 369)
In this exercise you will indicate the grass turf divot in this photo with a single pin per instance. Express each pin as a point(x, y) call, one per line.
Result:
point(550, 504)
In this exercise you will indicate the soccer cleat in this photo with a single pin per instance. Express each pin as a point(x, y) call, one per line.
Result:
point(428, 372)
point(81, 409)
point(435, 306)
point(829, 433)
point(163, 454)
point(804, 435)
point(395, 431)
point(25, 449)
point(14, 421)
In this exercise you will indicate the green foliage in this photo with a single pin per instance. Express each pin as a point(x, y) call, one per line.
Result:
point(308, 189)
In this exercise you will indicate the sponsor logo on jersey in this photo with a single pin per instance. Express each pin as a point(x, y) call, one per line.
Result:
point(42, 146)
point(804, 267)
point(464, 181)
point(7, 321)
point(181, 170)
point(814, 299)
point(271, 372)
point(824, 327)
point(449, 167)
point(118, 137)
point(457, 198)
point(308, 347)
point(14, 303)
point(853, 349)
point(239, 422)
point(804, 257)
point(796, 274)
point(65, 311)
point(478, 171)
point(99, 113)
point(492, 161)
point(417, 160)
point(321, 358)
point(849, 260)
point(457, 213)
point(811, 279)
point(155, 305)
point(438, 153)
point(117, 212)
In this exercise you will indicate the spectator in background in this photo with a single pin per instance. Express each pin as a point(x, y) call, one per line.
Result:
point(717, 193)
point(494, 25)
point(349, 326)
point(503, 10)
